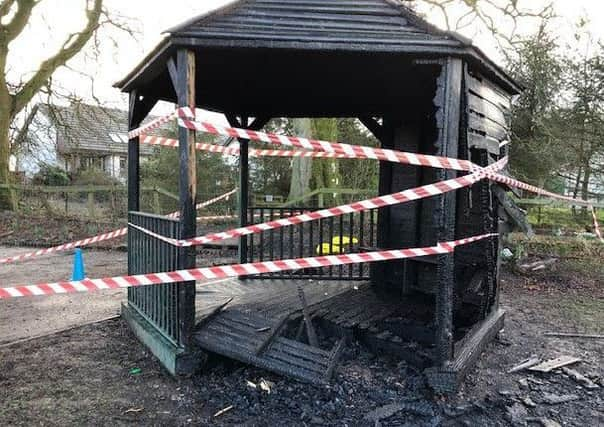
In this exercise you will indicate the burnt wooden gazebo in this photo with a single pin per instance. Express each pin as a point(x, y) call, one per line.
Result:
point(417, 89)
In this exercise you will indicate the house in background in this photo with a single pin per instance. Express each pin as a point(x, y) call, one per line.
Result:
point(75, 138)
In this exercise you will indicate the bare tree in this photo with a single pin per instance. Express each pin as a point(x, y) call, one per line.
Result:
point(499, 17)
point(15, 97)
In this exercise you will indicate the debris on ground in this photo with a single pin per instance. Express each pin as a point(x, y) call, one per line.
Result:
point(516, 414)
point(558, 362)
point(525, 365)
point(570, 335)
point(539, 265)
point(556, 399)
point(545, 422)
point(528, 402)
point(266, 386)
point(133, 410)
point(223, 411)
point(421, 408)
point(580, 378)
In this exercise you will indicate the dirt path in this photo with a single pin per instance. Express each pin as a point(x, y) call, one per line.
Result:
point(24, 318)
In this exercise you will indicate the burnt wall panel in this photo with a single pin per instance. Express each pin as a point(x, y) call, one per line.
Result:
point(409, 224)
point(487, 113)
point(484, 128)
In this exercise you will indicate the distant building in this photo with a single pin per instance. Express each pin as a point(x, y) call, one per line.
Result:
point(75, 138)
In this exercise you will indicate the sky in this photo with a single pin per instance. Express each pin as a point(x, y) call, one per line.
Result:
point(119, 52)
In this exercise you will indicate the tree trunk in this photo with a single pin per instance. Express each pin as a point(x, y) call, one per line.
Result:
point(301, 167)
point(585, 187)
point(5, 194)
point(326, 172)
point(576, 190)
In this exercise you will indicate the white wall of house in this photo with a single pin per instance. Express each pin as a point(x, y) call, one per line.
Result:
point(115, 166)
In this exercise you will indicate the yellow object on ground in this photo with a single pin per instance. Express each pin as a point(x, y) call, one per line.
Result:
point(345, 240)
point(335, 247)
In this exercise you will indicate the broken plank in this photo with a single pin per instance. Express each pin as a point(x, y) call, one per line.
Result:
point(580, 378)
point(571, 335)
point(556, 363)
point(524, 365)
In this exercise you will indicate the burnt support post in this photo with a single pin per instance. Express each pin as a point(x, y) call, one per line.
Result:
point(138, 108)
point(187, 192)
point(133, 159)
point(244, 174)
point(448, 99)
point(244, 190)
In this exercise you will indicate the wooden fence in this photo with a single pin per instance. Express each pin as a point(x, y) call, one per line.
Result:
point(93, 199)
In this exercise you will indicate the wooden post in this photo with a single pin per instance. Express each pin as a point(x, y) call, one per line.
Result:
point(449, 100)
point(156, 208)
point(244, 175)
point(14, 199)
point(133, 157)
point(187, 191)
point(244, 196)
point(91, 204)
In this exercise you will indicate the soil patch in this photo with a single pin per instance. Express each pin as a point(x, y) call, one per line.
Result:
point(89, 376)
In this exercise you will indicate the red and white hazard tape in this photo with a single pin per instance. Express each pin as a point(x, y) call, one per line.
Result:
point(67, 246)
point(101, 237)
point(334, 149)
point(207, 203)
point(253, 152)
point(536, 190)
point(152, 125)
point(89, 285)
point(356, 151)
point(184, 116)
point(418, 193)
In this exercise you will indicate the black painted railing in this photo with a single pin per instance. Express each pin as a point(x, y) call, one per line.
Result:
point(163, 306)
point(330, 236)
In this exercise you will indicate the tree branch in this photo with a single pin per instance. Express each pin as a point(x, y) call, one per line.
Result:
point(11, 30)
point(5, 7)
point(74, 43)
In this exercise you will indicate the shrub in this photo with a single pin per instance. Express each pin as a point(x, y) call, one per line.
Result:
point(51, 175)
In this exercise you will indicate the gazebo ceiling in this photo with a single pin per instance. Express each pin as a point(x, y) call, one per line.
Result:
point(286, 57)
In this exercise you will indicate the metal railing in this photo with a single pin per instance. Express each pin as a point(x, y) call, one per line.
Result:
point(329, 236)
point(162, 305)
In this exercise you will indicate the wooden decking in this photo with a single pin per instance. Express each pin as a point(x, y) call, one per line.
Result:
point(270, 298)
point(250, 328)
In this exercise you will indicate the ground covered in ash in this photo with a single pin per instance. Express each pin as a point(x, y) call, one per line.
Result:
point(99, 374)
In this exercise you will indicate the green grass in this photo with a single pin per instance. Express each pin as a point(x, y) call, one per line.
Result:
point(562, 218)
point(556, 246)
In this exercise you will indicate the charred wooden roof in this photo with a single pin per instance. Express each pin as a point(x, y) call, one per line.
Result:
point(258, 36)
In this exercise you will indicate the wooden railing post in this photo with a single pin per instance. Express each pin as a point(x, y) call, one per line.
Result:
point(14, 199)
point(156, 208)
point(91, 212)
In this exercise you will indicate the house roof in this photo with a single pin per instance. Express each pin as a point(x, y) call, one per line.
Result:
point(353, 26)
point(84, 128)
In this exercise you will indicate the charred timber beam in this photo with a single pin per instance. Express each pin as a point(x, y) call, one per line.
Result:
point(446, 380)
point(187, 192)
point(373, 125)
point(138, 109)
point(448, 99)
point(244, 181)
point(244, 173)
